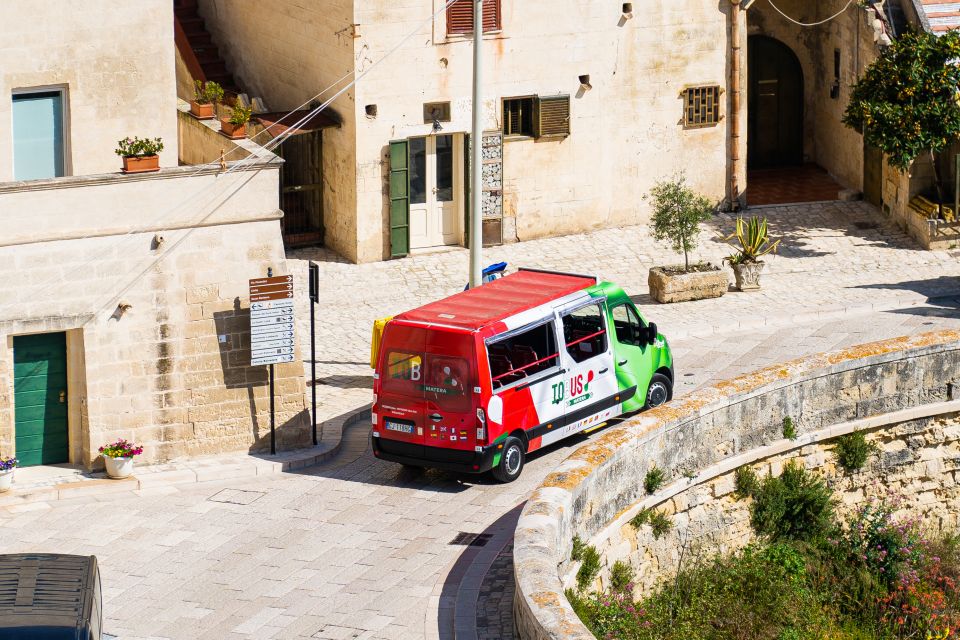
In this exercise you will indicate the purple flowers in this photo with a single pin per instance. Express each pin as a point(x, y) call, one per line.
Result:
point(121, 449)
point(6, 464)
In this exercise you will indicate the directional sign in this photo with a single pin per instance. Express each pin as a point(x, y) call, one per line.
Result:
point(271, 320)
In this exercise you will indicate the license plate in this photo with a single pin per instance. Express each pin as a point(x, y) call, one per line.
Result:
point(389, 425)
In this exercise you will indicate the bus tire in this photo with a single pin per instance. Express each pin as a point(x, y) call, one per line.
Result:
point(511, 461)
point(659, 391)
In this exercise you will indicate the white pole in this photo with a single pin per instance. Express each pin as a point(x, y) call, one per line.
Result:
point(476, 157)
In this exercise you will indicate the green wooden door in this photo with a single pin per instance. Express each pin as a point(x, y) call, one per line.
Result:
point(399, 198)
point(40, 398)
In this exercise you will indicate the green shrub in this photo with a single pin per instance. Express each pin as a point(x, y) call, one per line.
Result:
point(576, 554)
point(746, 482)
point(852, 451)
point(789, 430)
point(653, 480)
point(659, 524)
point(797, 505)
point(589, 568)
point(621, 576)
point(642, 518)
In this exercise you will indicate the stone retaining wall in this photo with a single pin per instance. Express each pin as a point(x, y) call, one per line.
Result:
point(707, 435)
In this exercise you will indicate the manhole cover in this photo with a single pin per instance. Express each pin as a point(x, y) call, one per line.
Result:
point(472, 539)
point(866, 226)
point(236, 496)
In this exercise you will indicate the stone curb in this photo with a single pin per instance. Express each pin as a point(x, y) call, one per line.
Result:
point(190, 471)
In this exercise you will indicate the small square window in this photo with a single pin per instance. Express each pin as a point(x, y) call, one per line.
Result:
point(518, 116)
point(701, 106)
point(436, 112)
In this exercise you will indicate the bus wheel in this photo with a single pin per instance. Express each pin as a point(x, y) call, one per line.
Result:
point(659, 391)
point(511, 461)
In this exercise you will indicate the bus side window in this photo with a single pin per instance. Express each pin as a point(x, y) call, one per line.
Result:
point(627, 324)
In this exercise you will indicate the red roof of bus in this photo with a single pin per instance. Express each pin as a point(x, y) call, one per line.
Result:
point(479, 307)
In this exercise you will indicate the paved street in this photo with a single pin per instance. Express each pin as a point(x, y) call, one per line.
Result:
point(358, 548)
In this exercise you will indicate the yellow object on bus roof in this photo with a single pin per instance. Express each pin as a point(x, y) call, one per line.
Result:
point(378, 327)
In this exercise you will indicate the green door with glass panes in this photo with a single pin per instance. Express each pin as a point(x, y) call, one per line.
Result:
point(40, 398)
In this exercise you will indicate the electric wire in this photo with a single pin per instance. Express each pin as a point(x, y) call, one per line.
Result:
point(243, 163)
point(811, 24)
point(112, 301)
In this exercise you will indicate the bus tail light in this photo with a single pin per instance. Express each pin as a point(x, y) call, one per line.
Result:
point(482, 426)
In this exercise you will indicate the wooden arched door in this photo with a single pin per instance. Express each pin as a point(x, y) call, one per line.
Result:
point(775, 107)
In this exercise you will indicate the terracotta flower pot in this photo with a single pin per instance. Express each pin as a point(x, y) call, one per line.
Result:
point(233, 131)
point(201, 111)
point(118, 468)
point(141, 164)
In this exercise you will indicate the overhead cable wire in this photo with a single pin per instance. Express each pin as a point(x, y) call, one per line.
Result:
point(811, 24)
point(278, 140)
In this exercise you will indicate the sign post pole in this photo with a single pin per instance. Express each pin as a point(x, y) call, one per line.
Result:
point(273, 418)
point(271, 331)
point(314, 298)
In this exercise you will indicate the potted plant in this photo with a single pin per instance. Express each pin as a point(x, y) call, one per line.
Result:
point(118, 458)
point(140, 154)
point(235, 127)
point(677, 215)
point(754, 243)
point(7, 465)
point(206, 96)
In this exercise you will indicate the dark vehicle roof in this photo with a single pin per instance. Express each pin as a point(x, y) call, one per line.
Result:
point(479, 307)
point(46, 596)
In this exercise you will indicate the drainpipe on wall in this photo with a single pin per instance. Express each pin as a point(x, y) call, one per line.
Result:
point(733, 197)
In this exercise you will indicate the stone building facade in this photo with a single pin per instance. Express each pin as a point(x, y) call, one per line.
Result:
point(123, 298)
point(618, 76)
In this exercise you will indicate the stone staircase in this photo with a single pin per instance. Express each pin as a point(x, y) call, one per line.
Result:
point(206, 52)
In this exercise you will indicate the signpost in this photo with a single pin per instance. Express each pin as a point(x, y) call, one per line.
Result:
point(271, 330)
point(314, 299)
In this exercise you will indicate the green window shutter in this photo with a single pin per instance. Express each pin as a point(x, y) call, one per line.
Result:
point(399, 198)
point(552, 116)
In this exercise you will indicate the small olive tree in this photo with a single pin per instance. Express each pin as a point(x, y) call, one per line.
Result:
point(907, 103)
point(677, 214)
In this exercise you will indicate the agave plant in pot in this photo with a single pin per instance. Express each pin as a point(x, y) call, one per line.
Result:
point(678, 213)
point(207, 95)
point(7, 465)
point(118, 457)
point(755, 242)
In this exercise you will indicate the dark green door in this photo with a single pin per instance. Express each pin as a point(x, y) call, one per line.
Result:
point(40, 398)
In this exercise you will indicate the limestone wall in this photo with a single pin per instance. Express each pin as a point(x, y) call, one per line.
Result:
point(626, 131)
point(709, 434)
point(286, 52)
point(171, 371)
point(115, 61)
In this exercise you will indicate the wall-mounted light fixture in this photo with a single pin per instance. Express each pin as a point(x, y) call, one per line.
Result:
point(585, 82)
point(627, 10)
point(123, 307)
point(437, 127)
point(371, 110)
point(158, 241)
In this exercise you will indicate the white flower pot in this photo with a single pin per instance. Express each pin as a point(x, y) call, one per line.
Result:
point(118, 467)
point(6, 480)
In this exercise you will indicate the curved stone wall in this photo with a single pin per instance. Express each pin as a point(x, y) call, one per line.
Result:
point(703, 437)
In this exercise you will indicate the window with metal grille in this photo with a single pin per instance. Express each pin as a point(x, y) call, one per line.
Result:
point(460, 17)
point(701, 106)
point(537, 116)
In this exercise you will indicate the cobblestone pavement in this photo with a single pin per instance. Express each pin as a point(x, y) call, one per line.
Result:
point(358, 548)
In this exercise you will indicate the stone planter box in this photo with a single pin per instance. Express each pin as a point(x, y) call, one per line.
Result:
point(699, 285)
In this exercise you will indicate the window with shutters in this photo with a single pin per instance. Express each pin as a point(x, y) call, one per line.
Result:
point(701, 106)
point(460, 17)
point(518, 116)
